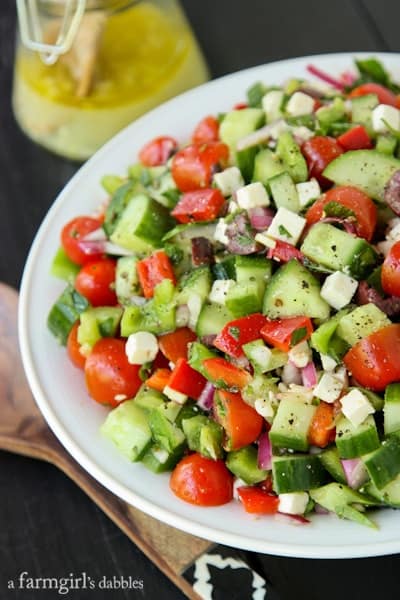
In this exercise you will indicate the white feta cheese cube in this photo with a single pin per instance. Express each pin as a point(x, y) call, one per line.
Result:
point(394, 233)
point(271, 103)
point(356, 407)
point(229, 180)
point(220, 232)
point(286, 226)
point(300, 355)
point(265, 240)
point(341, 373)
point(264, 408)
point(293, 503)
point(338, 289)
point(307, 191)
point(219, 290)
point(300, 104)
point(233, 206)
point(174, 395)
point(328, 388)
point(252, 195)
point(237, 484)
point(141, 347)
point(328, 363)
point(384, 117)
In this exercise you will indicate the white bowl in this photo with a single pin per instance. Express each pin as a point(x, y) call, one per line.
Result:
point(59, 388)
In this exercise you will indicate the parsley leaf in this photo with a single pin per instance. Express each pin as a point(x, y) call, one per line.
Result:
point(335, 209)
point(234, 332)
point(297, 336)
point(283, 231)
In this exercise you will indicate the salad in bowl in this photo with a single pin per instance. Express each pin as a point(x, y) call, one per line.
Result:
point(235, 301)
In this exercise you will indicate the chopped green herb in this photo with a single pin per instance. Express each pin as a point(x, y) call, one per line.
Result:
point(334, 209)
point(298, 335)
point(283, 231)
point(234, 332)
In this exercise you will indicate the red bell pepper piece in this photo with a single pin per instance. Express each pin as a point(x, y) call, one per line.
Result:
point(355, 138)
point(322, 430)
point(186, 380)
point(199, 205)
point(240, 106)
point(238, 332)
point(174, 345)
point(159, 379)
point(153, 270)
point(257, 501)
point(242, 424)
point(286, 333)
point(283, 252)
point(219, 370)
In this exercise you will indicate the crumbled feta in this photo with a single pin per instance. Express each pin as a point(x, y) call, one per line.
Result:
point(264, 408)
point(220, 232)
point(300, 355)
point(328, 363)
point(141, 347)
point(286, 226)
point(229, 180)
point(338, 289)
point(300, 104)
point(308, 191)
point(385, 117)
point(341, 373)
point(220, 289)
point(328, 388)
point(356, 407)
point(265, 240)
point(291, 374)
point(174, 395)
point(394, 231)
point(271, 103)
point(293, 503)
point(252, 195)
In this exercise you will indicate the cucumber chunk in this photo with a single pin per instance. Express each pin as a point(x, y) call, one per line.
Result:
point(297, 473)
point(291, 424)
point(128, 428)
point(212, 318)
point(367, 170)
point(391, 409)
point(63, 268)
point(383, 465)
point(353, 442)
point(267, 165)
point(331, 462)
point(126, 279)
point(65, 312)
point(389, 494)
point(243, 464)
point(361, 322)
point(204, 435)
point(238, 123)
point(98, 322)
point(284, 192)
point(339, 498)
point(290, 154)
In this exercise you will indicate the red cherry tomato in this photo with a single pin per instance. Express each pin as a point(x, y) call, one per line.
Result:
point(193, 167)
point(157, 151)
point(257, 501)
point(73, 348)
point(206, 131)
point(202, 481)
point(390, 275)
point(72, 235)
point(199, 205)
point(110, 378)
point(319, 151)
point(385, 96)
point(355, 200)
point(242, 424)
point(96, 281)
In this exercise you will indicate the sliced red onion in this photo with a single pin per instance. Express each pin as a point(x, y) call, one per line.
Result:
point(355, 471)
point(262, 135)
point(240, 361)
point(348, 78)
point(206, 397)
point(260, 217)
point(182, 315)
point(321, 510)
point(91, 247)
point(208, 340)
point(366, 294)
point(325, 77)
point(309, 375)
point(264, 457)
point(348, 225)
point(95, 236)
point(291, 519)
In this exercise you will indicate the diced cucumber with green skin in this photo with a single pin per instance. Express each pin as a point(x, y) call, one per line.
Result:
point(264, 359)
point(185, 232)
point(119, 201)
point(224, 268)
point(204, 435)
point(255, 94)
point(267, 165)
point(244, 299)
point(260, 387)
point(239, 123)
point(383, 465)
point(245, 160)
point(65, 312)
point(375, 279)
point(164, 190)
point(294, 291)
point(391, 408)
point(296, 473)
point(126, 279)
point(361, 110)
point(151, 459)
point(284, 192)
point(152, 317)
point(147, 398)
point(128, 428)
point(338, 250)
point(198, 281)
point(327, 115)
point(243, 464)
point(389, 494)
point(213, 317)
point(188, 410)
point(169, 410)
point(339, 498)
point(367, 170)
point(253, 268)
point(98, 322)
point(330, 460)
point(324, 339)
point(111, 183)
point(165, 433)
point(361, 322)
point(63, 268)
point(141, 225)
point(197, 354)
point(290, 154)
point(291, 425)
point(386, 144)
point(353, 442)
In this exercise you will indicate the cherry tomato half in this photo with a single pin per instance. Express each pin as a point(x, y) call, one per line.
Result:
point(202, 481)
point(319, 151)
point(72, 235)
point(73, 348)
point(193, 167)
point(206, 131)
point(96, 281)
point(385, 96)
point(355, 200)
point(157, 151)
point(390, 275)
point(110, 378)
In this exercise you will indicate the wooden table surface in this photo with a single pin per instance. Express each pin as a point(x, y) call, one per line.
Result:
point(47, 525)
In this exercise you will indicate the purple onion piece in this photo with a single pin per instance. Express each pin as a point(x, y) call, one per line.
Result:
point(208, 340)
point(367, 294)
point(260, 217)
point(391, 194)
point(355, 471)
point(206, 397)
point(346, 224)
point(241, 235)
point(264, 457)
point(309, 375)
point(91, 247)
